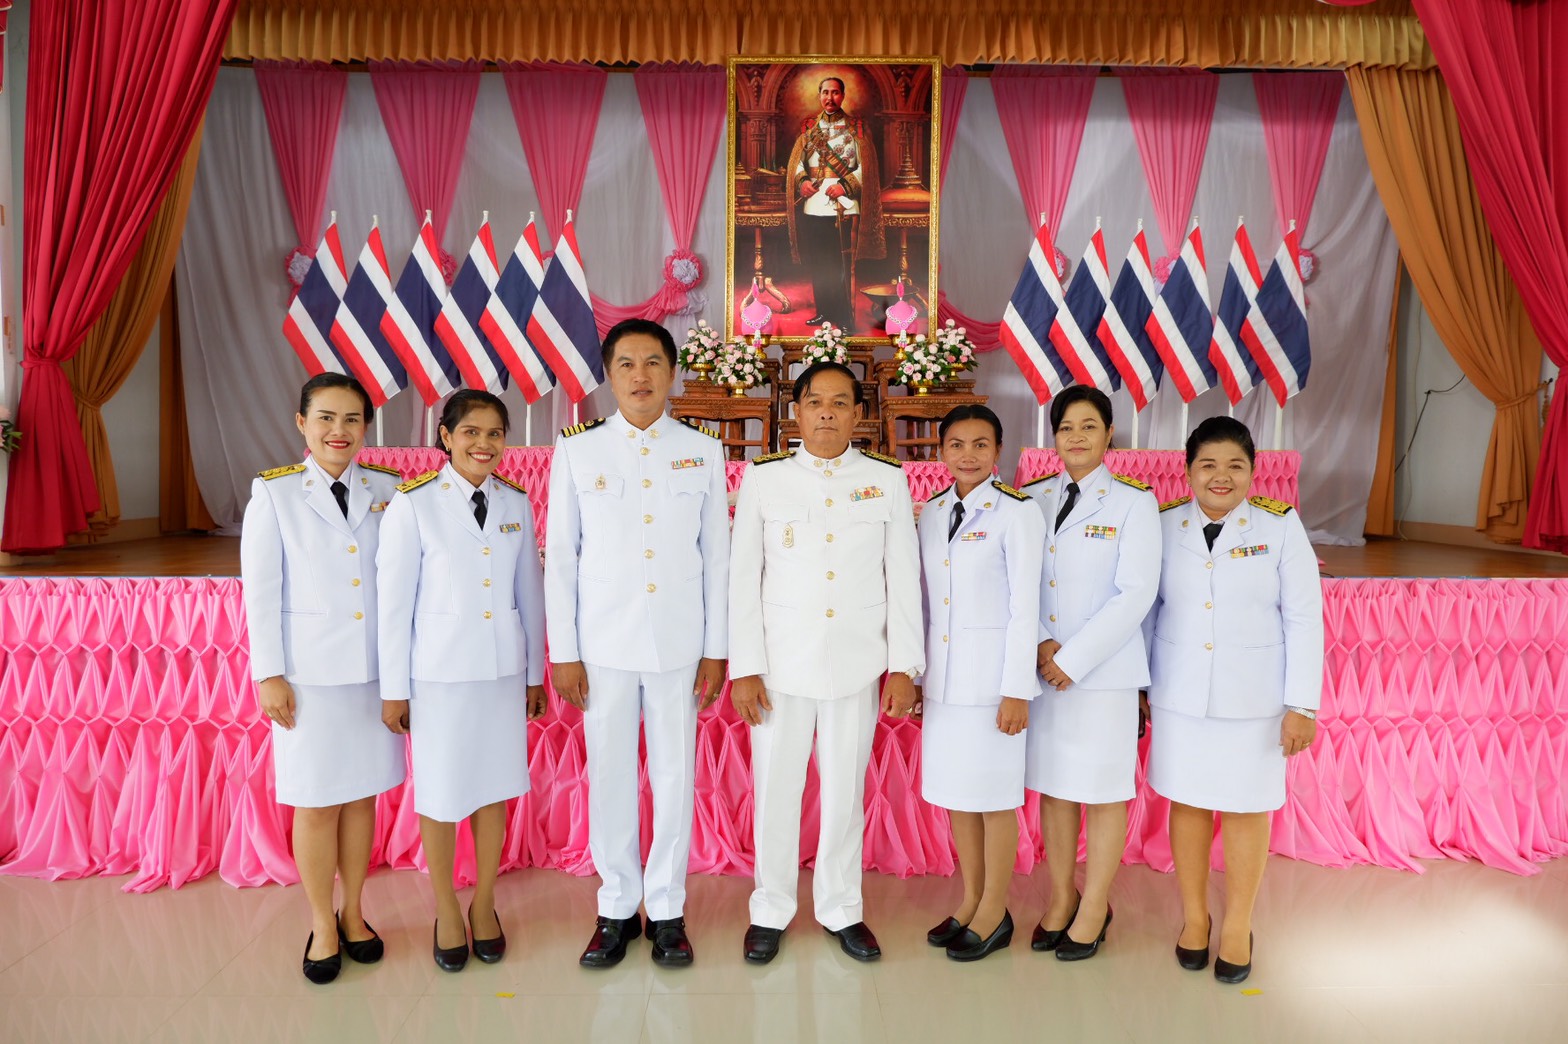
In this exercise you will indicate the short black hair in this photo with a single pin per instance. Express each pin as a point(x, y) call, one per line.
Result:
point(626, 327)
point(1220, 429)
point(810, 373)
point(334, 380)
point(835, 79)
point(1080, 393)
point(464, 402)
point(970, 411)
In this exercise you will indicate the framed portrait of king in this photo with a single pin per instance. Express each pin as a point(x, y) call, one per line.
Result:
point(833, 181)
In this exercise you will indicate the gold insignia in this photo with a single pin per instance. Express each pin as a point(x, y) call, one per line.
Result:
point(1273, 507)
point(1010, 491)
point(598, 483)
point(1128, 480)
point(415, 483)
point(1174, 503)
point(941, 492)
point(381, 468)
point(696, 425)
point(1042, 478)
point(272, 473)
point(884, 458)
point(578, 429)
point(769, 458)
point(508, 482)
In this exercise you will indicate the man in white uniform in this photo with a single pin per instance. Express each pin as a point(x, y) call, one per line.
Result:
point(636, 571)
point(824, 599)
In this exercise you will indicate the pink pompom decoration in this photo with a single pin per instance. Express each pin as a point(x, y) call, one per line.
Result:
point(1309, 265)
point(1062, 265)
point(1162, 268)
point(296, 266)
point(683, 269)
point(448, 267)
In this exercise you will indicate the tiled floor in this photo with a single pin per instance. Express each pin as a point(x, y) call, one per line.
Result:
point(1461, 953)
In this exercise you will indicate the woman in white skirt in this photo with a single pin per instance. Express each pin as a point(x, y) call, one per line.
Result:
point(1236, 659)
point(980, 544)
point(1102, 561)
point(462, 657)
point(306, 552)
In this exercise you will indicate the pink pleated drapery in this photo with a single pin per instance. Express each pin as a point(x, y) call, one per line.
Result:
point(955, 88)
point(1298, 111)
point(556, 107)
point(1043, 111)
point(1171, 111)
point(303, 103)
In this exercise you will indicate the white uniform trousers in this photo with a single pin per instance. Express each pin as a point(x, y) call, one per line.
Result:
point(780, 754)
point(663, 703)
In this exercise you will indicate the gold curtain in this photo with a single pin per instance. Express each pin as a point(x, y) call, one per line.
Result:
point(1412, 141)
point(1380, 501)
point(1284, 34)
point(116, 340)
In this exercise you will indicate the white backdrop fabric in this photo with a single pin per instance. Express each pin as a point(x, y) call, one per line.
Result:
point(242, 379)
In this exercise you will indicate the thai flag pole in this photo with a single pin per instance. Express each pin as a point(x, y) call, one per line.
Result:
point(1137, 414)
point(1279, 407)
point(430, 410)
point(1039, 415)
point(375, 222)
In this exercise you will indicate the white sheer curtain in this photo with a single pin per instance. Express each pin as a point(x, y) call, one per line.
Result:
point(242, 378)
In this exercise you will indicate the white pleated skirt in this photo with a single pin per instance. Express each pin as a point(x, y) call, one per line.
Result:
point(966, 763)
point(1224, 764)
point(470, 744)
point(338, 750)
point(1083, 745)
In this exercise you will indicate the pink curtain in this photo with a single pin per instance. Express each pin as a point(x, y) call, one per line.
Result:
point(987, 336)
point(556, 107)
point(303, 103)
point(1503, 64)
point(1298, 110)
point(955, 87)
point(114, 93)
point(1171, 111)
point(427, 108)
point(1043, 110)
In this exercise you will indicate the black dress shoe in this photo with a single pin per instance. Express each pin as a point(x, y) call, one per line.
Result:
point(944, 933)
point(857, 941)
point(366, 951)
point(325, 970)
point(762, 944)
point(1047, 939)
point(1069, 950)
point(671, 948)
point(488, 950)
point(1194, 960)
point(1225, 971)
point(452, 960)
point(970, 947)
point(817, 320)
point(610, 936)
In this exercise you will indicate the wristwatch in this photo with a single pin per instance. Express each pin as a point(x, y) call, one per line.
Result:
point(912, 673)
point(1310, 715)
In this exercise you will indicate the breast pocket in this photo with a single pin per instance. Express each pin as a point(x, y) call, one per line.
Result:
point(785, 526)
point(871, 510)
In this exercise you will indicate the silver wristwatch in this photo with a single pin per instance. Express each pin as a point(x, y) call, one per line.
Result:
point(1310, 715)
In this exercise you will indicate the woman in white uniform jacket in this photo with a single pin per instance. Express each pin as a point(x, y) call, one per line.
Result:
point(306, 556)
point(980, 546)
point(1102, 561)
point(462, 656)
point(1236, 660)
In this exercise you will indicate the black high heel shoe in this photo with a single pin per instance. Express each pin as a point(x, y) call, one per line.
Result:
point(1046, 939)
point(1194, 960)
point(970, 947)
point(452, 960)
point(1225, 971)
point(366, 951)
point(1070, 950)
point(488, 950)
point(944, 933)
point(325, 970)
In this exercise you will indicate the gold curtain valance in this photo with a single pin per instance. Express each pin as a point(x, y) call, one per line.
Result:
point(1286, 34)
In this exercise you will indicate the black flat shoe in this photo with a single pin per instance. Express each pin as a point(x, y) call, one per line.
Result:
point(857, 941)
point(453, 960)
point(1194, 960)
point(607, 948)
point(1070, 950)
point(944, 933)
point(325, 970)
point(671, 947)
point(366, 951)
point(970, 947)
point(762, 944)
point(488, 950)
point(1047, 939)
point(1225, 971)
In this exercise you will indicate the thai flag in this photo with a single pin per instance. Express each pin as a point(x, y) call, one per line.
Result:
point(561, 326)
point(1182, 324)
point(1122, 328)
point(1079, 344)
point(357, 331)
point(458, 323)
point(1031, 315)
point(1276, 328)
point(308, 326)
point(1237, 372)
point(410, 320)
point(508, 312)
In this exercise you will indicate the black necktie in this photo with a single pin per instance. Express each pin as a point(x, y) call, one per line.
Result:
point(340, 491)
point(957, 522)
point(1067, 506)
point(1211, 533)
point(479, 508)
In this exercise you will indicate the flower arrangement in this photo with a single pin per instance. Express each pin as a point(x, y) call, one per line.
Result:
point(927, 361)
point(10, 438)
point(826, 345)
point(740, 366)
point(701, 349)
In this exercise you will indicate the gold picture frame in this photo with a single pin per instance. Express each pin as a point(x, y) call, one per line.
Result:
point(780, 246)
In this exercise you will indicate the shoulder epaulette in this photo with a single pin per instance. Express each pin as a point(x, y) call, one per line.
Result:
point(941, 492)
point(696, 425)
point(508, 482)
point(287, 469)
point(883, 457)
point(1042, 478)
point(381, 468)
point(578, 429)
point(1272, 506)
point(1178, 502)
point(1010, 491)
point(769, 458)
point(1128, 480)
point(416, 482)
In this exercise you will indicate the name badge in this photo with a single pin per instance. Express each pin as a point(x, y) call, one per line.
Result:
point(1249, 552)
point(866, 493)
point(512, 527)
point(689, 462)
point(1100, 532)
point(978, 534)
point(381, 506)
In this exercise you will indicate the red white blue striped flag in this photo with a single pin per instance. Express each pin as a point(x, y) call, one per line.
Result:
point(507, 314)
point(409, 324)
point(1078, 340)
point(1233, 364)
point(458, 323)
point(308, 325)
point(1122, 327)
point(1276, 328)
point(1182, 324)
point(562, 326)
point(356, 332)
point(1031, 315)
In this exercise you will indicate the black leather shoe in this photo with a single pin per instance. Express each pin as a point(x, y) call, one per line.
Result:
point(366, 951)
point(857, 941)
point(453, 960)
point(944, 933)
point(610, 936)
point(1194, 960)
point(817, 320)
point(671, 948)
point(1069, 950)
point(1046, 939)
point(325, 970)
point(1225, 971)
point(970, 947)
point(762, 944)
point(488, 950)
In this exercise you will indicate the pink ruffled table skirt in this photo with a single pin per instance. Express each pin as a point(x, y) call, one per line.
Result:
point(129, 744)
point(1275, 476)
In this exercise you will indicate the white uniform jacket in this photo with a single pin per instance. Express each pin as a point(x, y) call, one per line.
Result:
point(637, 546)
point(1102, 571)
point(1237, 632)
point(982, 596)
point(310, 574)
point(458, 604)
point(824, 574)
